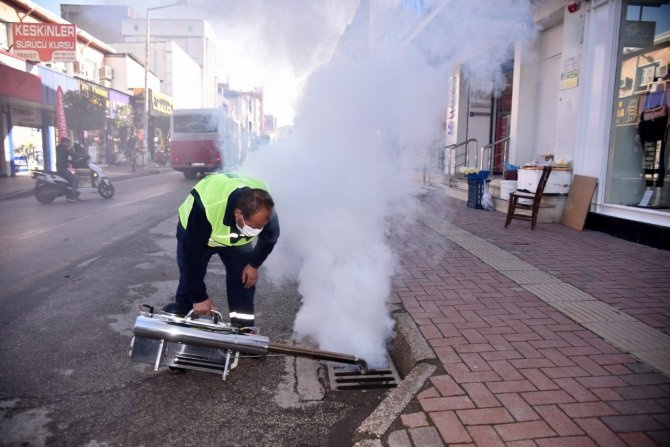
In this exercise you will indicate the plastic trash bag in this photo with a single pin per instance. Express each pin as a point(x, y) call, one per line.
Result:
point(487, 199)
point(510, 167)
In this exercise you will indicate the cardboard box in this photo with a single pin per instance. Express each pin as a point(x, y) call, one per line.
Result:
point(558, 183)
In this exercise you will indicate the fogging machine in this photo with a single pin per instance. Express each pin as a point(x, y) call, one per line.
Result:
point(170, 338)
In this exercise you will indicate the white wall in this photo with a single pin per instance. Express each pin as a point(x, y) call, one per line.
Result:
point(185, 87)
point(129, 74)
point(195, 37)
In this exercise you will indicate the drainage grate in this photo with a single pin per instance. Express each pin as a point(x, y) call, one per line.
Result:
point(347, 377)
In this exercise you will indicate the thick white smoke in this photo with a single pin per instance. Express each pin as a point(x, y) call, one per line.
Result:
point(345, 177)
point(273, 44)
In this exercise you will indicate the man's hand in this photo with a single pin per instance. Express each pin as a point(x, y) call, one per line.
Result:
point(249, 276)
point(204, 307)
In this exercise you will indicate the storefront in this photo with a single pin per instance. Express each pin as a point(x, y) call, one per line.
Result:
point(96, 138)
point(160, 111)
point(591, 89)
point(51, 82)
point(23, 123)
point(27, 124)
point(120, 126)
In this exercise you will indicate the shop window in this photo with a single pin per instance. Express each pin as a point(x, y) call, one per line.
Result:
point(637, 168)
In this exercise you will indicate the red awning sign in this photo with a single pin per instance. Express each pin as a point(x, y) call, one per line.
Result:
point(45, 42)
point(19, 84)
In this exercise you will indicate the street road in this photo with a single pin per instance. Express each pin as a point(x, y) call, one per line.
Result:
point(72, 279)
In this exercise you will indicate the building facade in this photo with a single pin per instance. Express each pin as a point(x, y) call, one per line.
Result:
point(588, 89)
point(585, 92)
point(246, 108)
point(110, 83)
point(197, 40)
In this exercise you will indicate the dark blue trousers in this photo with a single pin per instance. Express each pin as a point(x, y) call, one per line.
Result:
point(240, 300)
point(70, 177)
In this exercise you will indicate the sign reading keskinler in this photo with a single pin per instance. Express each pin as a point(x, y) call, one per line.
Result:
point(45, 42)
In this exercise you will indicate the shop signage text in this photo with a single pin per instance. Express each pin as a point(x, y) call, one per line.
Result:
point(23, 116)
point(45, 42)
point(159, 103)
point(61, 123)
point(96, 94)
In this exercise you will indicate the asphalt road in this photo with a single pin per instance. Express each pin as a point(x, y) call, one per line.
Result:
point(72, 279)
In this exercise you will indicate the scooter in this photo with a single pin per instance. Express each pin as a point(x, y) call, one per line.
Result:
point(51, 185)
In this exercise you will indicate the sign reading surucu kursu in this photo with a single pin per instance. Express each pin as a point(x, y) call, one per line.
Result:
point(45, 42)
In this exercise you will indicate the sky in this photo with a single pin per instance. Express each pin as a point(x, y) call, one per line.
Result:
point(270, 44)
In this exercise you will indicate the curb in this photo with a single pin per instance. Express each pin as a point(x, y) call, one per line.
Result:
point(411, 353)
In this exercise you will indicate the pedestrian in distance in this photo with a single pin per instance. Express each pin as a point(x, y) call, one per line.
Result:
point(79, 162)
point(223, 215)
point(64, 157)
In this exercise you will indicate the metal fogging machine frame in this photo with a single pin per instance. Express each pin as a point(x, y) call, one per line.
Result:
point(170, 338)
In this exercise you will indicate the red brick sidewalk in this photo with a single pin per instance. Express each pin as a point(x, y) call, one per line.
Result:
point(516, 371)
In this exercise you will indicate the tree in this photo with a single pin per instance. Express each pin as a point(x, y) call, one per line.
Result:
point(124, 125)
point(84, 111)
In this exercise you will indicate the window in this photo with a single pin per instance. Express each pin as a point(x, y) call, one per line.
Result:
point(195, 123)
point(647, 74)
point(637, 165)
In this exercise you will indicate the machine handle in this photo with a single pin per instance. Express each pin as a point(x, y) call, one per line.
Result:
point(216, 315)
point(147, 308)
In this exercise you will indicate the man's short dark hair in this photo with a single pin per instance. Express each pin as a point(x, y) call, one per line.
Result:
point(250, 201)
point(64, 140)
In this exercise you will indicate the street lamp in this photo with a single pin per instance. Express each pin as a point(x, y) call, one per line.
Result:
point(145, 120)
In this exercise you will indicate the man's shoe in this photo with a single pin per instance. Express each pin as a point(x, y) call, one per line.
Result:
point(74, 199)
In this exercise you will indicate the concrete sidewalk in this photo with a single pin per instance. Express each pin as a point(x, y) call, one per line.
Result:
point(22, 185)
point(550, 337)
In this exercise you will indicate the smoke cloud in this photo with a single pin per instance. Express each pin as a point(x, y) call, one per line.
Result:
point(345, 178)
point(274, 44)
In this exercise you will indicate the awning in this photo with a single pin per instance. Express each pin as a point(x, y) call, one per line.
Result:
point(19, 84)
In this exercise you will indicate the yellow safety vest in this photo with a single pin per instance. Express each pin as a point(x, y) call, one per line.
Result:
point(214, 191)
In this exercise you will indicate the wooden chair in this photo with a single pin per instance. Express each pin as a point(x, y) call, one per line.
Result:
point(515, 205)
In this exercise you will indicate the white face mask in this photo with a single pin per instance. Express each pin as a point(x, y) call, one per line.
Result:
point(248, 231)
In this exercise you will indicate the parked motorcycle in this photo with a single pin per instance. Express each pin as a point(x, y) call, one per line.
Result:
point(51, 185)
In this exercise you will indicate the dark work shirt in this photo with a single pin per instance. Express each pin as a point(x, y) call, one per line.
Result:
point(63, 154)
point(196, 237)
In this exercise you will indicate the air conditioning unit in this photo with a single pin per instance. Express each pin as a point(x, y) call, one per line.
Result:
point(78, 68)
point(661, 72)
point(106, 72)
